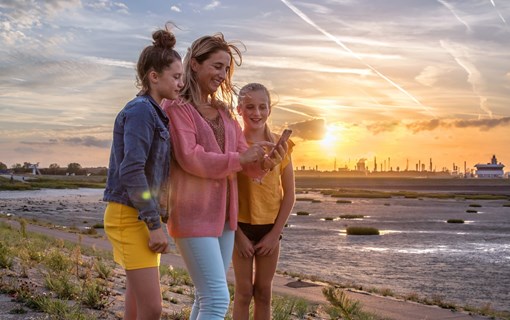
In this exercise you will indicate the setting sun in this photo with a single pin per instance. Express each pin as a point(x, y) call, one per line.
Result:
point(331, 137)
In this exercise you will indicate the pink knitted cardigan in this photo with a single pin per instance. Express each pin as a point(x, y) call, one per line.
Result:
point(200, 171)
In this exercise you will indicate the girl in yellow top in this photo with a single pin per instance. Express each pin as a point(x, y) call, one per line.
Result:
point(263, 211)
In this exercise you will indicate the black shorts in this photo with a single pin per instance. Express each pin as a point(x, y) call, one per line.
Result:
point(255, 232)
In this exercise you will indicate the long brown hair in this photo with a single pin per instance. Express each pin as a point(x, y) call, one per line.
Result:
point(156, 57)
point(200, 50)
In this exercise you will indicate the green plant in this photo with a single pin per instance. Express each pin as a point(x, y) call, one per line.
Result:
point(285, 307)
point(339, 299)
point(6, 257)
point(62, 285)
point(95, 295)
point(57, 262)
point(177, 276)
point(362, 231)
point(23, 227)
point(102, 268)
point(184, 314)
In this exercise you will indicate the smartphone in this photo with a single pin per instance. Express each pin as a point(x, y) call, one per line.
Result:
point(283, 138)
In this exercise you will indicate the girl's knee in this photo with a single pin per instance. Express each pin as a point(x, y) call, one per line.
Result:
point(243, 297)
point(152, 311)
point(262, 294)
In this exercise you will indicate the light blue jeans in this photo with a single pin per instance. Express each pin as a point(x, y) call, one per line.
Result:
point(207, 260)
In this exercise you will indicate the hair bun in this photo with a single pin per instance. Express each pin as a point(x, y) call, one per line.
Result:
point(164, 39)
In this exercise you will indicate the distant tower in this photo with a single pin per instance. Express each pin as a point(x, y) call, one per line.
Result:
point(375, 164)
point(407, 164)
point(389, 164)
point(430, 165)
point(334, 166)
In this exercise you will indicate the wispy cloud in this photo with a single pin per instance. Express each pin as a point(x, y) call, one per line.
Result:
point(107, 5)
point(305, 18)
point(309, 130)
point(499, 13)
point(88, 141)
point(452, 10)
point(461, 54)
point(213, 5)
point(175, 8)
point(430, 125)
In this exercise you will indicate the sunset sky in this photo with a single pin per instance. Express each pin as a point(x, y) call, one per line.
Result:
point(405, 81)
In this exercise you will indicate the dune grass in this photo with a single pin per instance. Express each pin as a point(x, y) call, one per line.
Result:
point(77, 282)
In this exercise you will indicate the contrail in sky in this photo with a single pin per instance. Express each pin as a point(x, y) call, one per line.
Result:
point(499, 13)
point(305, 18)
point(295, 111)
point(450, 7)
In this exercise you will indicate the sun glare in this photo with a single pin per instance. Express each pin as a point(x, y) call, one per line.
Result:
point(331, 137)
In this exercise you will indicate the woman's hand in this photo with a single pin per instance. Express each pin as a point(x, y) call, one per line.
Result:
point(255, 152)
point(158, 241)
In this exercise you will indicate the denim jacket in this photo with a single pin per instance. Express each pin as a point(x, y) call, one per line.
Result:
point(140, 160)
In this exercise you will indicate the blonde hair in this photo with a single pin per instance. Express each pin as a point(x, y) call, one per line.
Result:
point(200, 50)
point(254, 86)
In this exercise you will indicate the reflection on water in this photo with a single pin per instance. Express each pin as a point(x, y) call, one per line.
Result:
point(416, 252)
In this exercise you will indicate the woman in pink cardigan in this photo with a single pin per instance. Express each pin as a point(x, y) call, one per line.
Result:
point(209, 148)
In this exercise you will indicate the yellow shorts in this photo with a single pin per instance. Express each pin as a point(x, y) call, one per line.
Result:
point(129, 237)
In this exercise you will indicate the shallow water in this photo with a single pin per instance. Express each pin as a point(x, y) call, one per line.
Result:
point(417, 251)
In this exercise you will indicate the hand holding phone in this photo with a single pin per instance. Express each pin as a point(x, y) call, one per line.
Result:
point(283, 138)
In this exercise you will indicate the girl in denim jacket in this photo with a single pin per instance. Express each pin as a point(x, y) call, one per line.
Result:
point(137, 173)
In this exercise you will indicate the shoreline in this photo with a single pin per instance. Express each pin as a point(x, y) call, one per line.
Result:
point(386, 307)
point(453, 185)
point(64, 210)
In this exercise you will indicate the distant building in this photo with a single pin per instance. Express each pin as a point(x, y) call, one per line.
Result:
point(490, 170)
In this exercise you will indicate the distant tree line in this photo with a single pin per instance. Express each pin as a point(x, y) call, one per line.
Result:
point(73, 168)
